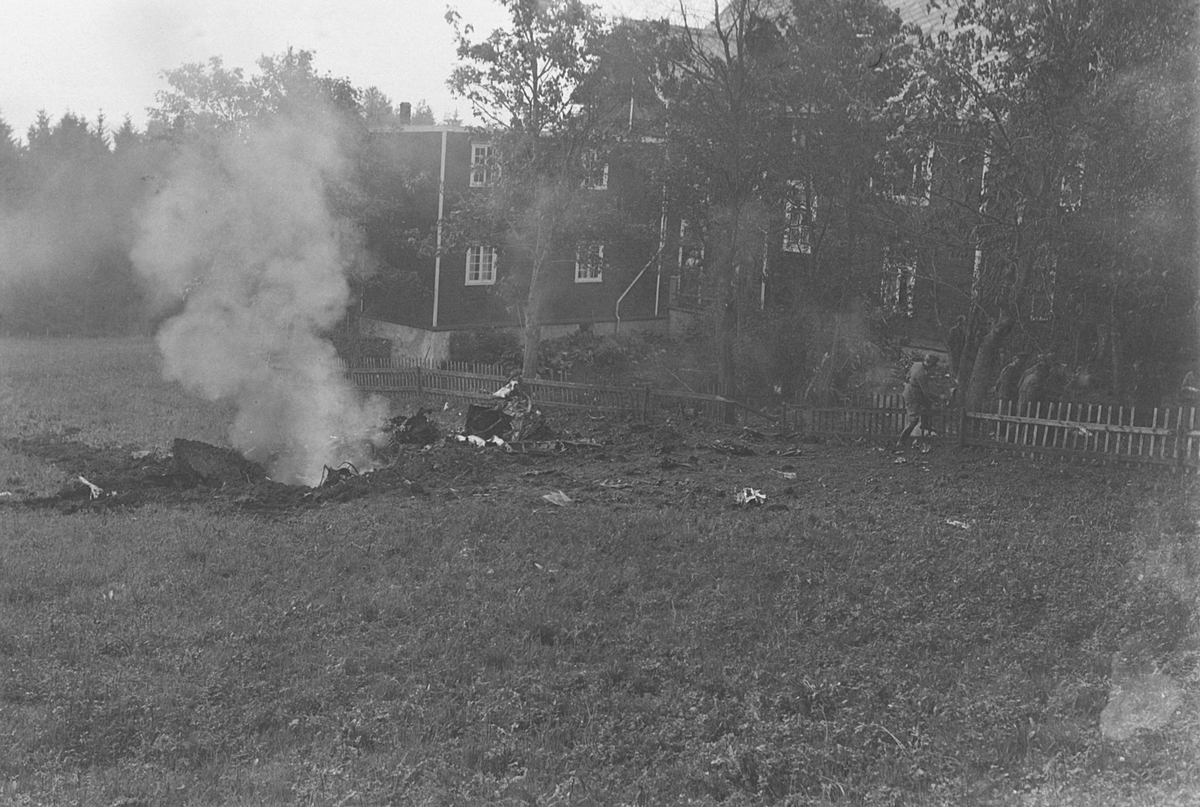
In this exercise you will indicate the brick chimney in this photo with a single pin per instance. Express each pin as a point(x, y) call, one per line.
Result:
point(405, 113)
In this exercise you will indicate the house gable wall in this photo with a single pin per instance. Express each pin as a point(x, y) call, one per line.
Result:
point(461, 305)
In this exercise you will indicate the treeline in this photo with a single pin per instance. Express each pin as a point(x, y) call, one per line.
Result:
point(66, 198)
point(70, 192)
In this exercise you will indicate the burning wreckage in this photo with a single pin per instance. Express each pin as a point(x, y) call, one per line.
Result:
point(404, 451)
point(508, 421)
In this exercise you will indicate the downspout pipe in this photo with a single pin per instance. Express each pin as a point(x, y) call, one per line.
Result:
point(437, 260)
point(662, 247)
point(629, 288)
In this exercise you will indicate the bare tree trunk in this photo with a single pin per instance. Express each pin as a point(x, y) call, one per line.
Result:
point(726, 316)
point(531, 336)
point(726, 366)
point(531, 339)
point(987, 362)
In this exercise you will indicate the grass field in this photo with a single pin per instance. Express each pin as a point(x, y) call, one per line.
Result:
point(943, 631)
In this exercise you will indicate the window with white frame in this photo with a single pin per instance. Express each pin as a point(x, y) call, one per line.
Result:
point(484, 170)
point(481, 266)
point(691, 248)
point(589, 263)
point(799, 214)
point(899, 282)
point(908, 176)
point(595, 171)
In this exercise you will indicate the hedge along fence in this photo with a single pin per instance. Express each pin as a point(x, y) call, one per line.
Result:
point(866, 417)
point(1158, 436)
point(419, 379)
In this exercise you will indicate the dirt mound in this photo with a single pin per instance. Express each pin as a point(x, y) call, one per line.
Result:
point(605, 461)
point(215, 465)
point(199, 473)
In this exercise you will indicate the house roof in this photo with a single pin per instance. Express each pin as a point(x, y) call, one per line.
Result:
point(928, 14)
point(396, 128)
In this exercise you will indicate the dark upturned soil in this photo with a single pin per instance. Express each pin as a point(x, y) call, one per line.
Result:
point(600, 459)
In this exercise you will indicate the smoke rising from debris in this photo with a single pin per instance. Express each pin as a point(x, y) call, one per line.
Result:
point(241, 232)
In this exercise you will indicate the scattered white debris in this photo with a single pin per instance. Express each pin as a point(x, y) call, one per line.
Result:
point(96, 490)
point(507, 389)
point(749, 496)
point(962, 525)
point(558, 498)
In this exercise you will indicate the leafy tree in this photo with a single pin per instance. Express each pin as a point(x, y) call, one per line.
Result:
point(771, 106)
point(1051, 96)
point(422, 114)
point(204, 98)
point(211, 99)
point(377, 107)
point(727, 138)
point(290, 86)
point(843, 59)
point(537, 84)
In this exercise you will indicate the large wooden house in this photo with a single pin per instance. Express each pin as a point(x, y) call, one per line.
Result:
point(427, 289)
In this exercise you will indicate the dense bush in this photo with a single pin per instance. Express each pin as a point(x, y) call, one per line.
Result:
point(486, 346)
point(582, 354)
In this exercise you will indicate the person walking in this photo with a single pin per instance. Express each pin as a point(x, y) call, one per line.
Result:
point(918, 398)
point(1008, 384)
point(1033, 385)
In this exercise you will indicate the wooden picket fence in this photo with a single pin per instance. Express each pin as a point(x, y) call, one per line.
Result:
point(401, 363)
point(877, 416)
point(1158, 436)
point(421, 379)
point(1090, 432)
point(1166, 436)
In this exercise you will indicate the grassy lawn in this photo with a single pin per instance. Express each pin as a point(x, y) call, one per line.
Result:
point(938, 631)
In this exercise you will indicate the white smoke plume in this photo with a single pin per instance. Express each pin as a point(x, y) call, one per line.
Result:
point(242, 233)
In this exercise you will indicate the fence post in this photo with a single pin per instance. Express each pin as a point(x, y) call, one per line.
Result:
point(1180, 440)
point(962, 427)
point(646, 403)
point(420, 385)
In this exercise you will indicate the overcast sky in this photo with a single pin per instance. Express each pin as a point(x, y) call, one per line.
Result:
point(91, 56)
